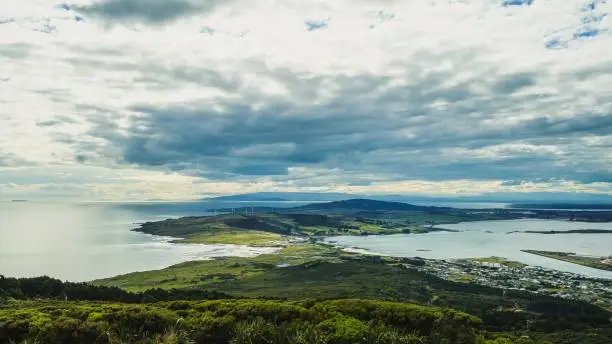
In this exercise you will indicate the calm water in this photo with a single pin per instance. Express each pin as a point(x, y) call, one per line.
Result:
point(85, 241)
point(491, 238)
point(80, 242)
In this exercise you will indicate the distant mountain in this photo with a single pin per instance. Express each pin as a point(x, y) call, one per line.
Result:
point(500, 197)
point(367, 205)
point(567, 206)
point(284, 197)
point(541, 197)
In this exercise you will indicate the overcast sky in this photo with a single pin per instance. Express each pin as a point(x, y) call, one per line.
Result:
point(178, 99)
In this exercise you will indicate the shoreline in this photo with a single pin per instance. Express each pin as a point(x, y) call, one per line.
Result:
point(571, 257)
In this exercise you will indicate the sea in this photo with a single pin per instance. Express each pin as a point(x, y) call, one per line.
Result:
point(86, 241)
point(90, 240)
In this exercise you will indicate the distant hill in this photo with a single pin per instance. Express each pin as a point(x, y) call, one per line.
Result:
point(498, 197)
point(349, 205)
point(284, 197)
point(367, 205)
point(574, 206)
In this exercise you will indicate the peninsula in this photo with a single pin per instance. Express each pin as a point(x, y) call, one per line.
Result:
point(261, 226)
point(602, 263)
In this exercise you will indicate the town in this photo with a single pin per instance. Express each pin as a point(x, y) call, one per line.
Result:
point(500, 273)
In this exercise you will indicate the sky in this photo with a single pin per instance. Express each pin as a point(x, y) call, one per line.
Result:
point(182, 99)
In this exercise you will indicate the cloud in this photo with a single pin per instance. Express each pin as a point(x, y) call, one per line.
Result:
point(15, 50)
point(10, 160)
point(509, 3)
point(313, 25)
point(386, 98)
point(514, 83)
point(242, 140)
point(149, 11)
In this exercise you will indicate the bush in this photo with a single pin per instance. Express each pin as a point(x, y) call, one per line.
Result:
point(235, 322)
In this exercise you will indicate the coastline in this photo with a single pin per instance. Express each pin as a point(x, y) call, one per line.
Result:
point(599, 263)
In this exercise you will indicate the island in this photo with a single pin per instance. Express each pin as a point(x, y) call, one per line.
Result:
point(601, 263)
point(570, 231)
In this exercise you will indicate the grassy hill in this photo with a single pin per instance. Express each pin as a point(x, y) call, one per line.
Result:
point(318, 272)
point(268, 226)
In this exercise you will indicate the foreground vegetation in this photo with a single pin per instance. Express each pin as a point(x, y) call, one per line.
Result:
point(236, 321)
point(592, 262)
point(35, 310)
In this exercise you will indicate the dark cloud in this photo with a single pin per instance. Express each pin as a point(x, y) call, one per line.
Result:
point(511, 3)
point(514, 83)
point(49, 123)
point(80, 158)
point(150, 11)
point(10, 160)
point(56, 121)
point(369, 128)
point(314, 25)
point(15, 50)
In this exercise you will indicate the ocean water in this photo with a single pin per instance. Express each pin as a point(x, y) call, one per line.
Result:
point(85, 241)
point(494, 238)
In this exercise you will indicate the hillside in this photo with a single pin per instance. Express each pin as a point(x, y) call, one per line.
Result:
point(302, 272)
point(377, 209)
point(500, 197)
point(270, 229)
point(269, 226)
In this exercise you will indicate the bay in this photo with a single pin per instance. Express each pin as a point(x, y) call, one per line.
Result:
point(494, 238)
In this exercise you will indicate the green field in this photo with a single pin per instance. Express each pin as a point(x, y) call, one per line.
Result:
point(499, 260)
point(251, 238)
point(216, 273)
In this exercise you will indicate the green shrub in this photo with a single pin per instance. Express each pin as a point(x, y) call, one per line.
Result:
point(235, 322)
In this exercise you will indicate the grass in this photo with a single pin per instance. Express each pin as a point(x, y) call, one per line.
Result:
point(465, 278)
point(499, 260)
point(251, 238)
point(321, 272)
point(210, 273)
point(263, 228)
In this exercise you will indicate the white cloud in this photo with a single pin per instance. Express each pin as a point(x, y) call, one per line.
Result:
point(54, 64)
